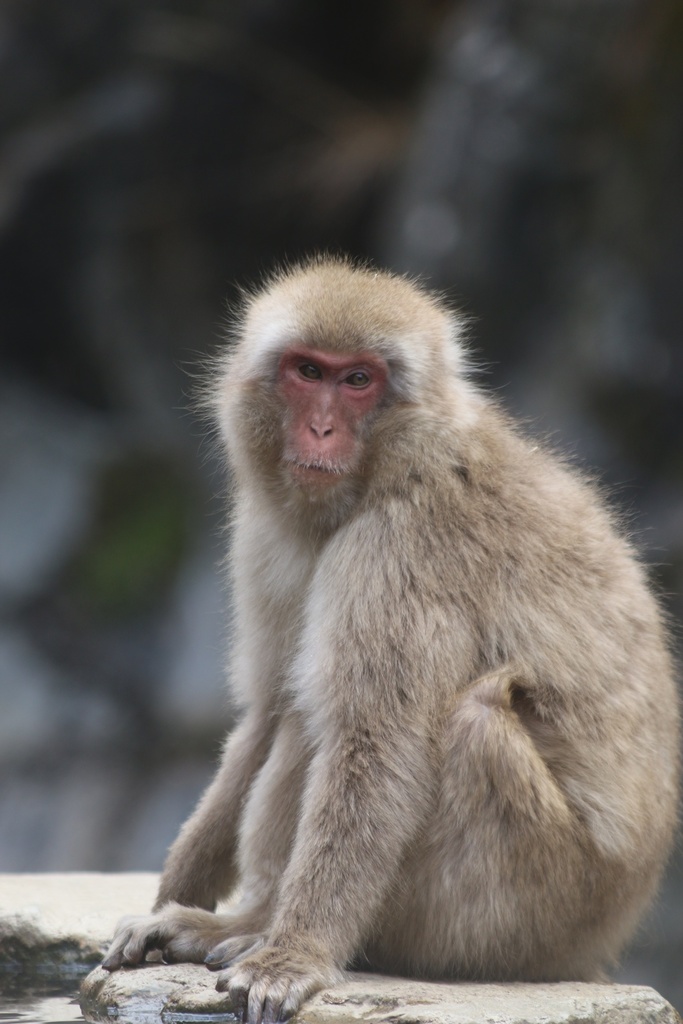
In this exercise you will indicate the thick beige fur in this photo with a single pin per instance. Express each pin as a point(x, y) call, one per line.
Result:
point(458, 756)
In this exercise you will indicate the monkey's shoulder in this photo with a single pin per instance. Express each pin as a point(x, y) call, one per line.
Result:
point(488, 478)
point(490, 508)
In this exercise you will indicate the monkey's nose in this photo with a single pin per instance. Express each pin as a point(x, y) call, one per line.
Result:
point(321, 429)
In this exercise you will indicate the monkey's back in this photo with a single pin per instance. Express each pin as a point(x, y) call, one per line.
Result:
point(496, 540)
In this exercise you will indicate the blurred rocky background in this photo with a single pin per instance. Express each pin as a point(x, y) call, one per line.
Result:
point(524, 156)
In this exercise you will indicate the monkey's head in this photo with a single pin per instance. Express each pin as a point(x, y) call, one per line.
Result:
point(325, 353)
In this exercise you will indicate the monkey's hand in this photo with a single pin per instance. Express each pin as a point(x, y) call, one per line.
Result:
point(182, 934)
point(271, 984)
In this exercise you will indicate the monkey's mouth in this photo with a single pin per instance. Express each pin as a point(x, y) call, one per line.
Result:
point(315, 470)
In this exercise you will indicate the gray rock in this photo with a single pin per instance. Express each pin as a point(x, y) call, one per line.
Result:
point(52, 925)
point(129, 995)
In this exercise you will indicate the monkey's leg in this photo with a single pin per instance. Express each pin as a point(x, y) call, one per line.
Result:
point(508, 882)
point(192, 934)
point(266, 838)
point(201, 865)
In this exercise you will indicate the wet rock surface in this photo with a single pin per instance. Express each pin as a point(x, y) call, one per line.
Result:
point(165, 990)
point(55, 927)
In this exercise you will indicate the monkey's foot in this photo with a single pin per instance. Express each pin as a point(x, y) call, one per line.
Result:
point(270, 985)
point(182, 934)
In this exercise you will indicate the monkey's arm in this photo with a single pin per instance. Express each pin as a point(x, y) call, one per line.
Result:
point(364, 802)
point(369, 784)
point(200, 868)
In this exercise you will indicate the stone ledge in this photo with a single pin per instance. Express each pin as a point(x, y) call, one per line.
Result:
point(174, 993)
point(53, 926)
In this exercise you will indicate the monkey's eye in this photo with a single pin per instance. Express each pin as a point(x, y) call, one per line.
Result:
point(359, 379)
point(310, 372)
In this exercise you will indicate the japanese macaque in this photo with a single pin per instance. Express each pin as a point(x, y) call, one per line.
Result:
point(458, 750)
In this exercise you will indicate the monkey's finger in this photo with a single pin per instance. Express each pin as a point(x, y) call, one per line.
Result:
point(238, 996)
point(290, 1004)
point(273, 1010)
point(217, 965)
point(249, 951)
point(255, 1003)
point(140, 944)
point(114, 958)
point(274, 995)
point(225, 982)
point(300, 986)
point(112, 961)
point(186, 947)
point(134, 938)
point(232, 950)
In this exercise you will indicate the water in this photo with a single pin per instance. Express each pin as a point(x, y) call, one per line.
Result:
point(64, 1009)
point(45, 994)
point(48, 994)
point(53, 1009)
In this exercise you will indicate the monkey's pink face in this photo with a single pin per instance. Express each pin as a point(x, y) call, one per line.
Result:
point(328, 400)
